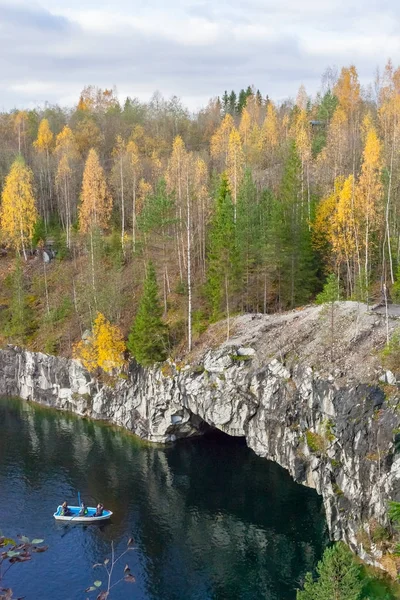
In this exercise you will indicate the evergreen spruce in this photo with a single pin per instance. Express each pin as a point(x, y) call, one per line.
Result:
point(222, 253)
point(248, 235)
point(147, 340)
point(339, 577)
point(232, 103)
point(293, 238)
point(242, 99)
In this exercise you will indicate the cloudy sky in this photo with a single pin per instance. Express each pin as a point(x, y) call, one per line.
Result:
point(195, 49)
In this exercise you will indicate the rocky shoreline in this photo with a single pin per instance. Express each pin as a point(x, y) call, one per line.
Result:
point(334, 426)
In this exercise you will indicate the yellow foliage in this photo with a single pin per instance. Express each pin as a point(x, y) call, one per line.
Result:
point(96, 202)
point(369, 188)
point(245, 125)
point(333, 227)
point(66, 144)
point(303, 136)
point(269, 130)
point(45, 137)
point(220, 139)
point(20, 120)
point(87, 135)
point(103, 349)
point(18, 213)
point(66, 150)
point(347, 89)
point(144, 190)
point(176, 168)
point(235, 163)
point(201, 179)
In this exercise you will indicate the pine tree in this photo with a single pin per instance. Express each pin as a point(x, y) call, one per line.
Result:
point(222, 254)
point(297, 261)
point(339, 577)
point(248, 234)
point(232, 103)
point(147, 341)
point(18, 213)
point(156, 222)
point(242, 99)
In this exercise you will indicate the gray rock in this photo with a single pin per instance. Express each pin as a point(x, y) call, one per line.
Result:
point(332, 434)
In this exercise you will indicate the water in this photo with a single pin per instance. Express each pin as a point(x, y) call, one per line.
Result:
point(210, 519)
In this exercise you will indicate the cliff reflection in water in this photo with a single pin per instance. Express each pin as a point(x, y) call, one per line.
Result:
point(211, 520)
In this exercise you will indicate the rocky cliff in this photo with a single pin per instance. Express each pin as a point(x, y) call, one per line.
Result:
point(306, 391)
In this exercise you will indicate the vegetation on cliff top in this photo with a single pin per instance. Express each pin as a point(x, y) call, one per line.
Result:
point(246, 206)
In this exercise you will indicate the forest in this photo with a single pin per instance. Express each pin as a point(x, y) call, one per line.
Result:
point(131, 218)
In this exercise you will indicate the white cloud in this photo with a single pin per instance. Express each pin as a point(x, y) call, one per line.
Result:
point(192, 48)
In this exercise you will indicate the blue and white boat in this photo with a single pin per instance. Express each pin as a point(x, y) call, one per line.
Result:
point(88, 518)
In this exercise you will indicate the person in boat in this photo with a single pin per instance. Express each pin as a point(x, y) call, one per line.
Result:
point(65, 512)
point(83, 511)
point(99, 510)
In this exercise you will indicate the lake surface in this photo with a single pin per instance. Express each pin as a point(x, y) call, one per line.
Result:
point(210, 519)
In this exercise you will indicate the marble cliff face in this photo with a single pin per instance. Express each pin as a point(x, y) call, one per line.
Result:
point(304, 394)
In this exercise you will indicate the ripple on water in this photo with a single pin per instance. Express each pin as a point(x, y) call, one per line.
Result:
point(211, 520)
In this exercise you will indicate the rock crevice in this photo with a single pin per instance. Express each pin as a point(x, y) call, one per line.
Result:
point(331, 432)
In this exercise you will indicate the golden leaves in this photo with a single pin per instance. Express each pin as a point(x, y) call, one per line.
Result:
point(96, 202)
point(45, 137)
point(235, 163)
point(18, 213)
point(103, 349)
point(220, 139)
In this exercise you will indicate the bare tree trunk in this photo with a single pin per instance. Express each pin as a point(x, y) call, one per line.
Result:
point(45, 286)
point(134, 215)
point(93, 270)
point(227, 307)
point(189, 261)
point(122, 206)
point(387, 229)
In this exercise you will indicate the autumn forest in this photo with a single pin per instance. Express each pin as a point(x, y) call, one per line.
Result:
point(150, 212)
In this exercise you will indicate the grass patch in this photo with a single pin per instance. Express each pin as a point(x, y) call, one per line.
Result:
point(378, 585)
point(315, 442)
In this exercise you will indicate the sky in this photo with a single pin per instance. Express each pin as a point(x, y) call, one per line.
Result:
point(195, 49)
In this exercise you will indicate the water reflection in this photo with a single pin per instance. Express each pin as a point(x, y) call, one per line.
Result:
point(211, 519)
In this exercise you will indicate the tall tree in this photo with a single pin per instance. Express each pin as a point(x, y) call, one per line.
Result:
point(43, 145)
point(235, 166)
point(222, 254)
point(297, 274)
point(18, 214)
point(220, 141)
point(96, 205)
point(119, 173)
point(369, 194)
point(157, 222)
point(147, 341)
point(67, 155)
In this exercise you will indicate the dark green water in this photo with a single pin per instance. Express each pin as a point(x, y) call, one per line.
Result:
point(211, 520)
